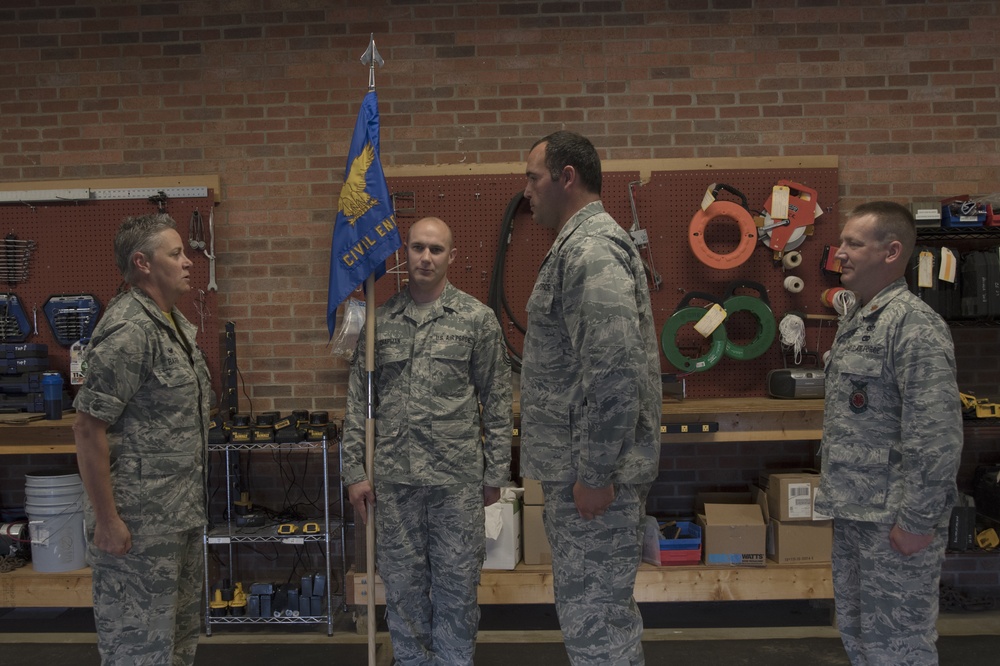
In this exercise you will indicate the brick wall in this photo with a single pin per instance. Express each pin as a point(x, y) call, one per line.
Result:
point(265, 95)
point(905, 93)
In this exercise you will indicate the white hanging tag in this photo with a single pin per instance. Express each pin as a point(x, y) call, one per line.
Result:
point(707, 324)
point(949, 266)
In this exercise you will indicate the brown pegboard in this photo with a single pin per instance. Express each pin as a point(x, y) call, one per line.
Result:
point(473, 205)
point(74, 255)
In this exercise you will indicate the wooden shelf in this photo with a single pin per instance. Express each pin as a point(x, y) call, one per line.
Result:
point(739, 419)
point(746, 419)
point(37, 436)
point(532, 584)
point(27, 588)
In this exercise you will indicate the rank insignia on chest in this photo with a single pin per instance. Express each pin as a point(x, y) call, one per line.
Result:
point(859, 397)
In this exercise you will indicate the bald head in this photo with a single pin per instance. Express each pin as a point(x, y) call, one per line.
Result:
point(429, 251)
point(433, 225)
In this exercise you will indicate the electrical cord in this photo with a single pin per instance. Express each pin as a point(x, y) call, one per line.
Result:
point(497, 298)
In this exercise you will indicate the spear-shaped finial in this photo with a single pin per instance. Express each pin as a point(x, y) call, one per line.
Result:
point(372, 58)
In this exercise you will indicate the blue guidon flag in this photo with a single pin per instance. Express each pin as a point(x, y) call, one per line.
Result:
point(365, 233)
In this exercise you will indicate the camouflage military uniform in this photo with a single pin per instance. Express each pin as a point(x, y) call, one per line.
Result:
point(892, 439)
point(153, 388)
point(435, 366)
point(590, 411)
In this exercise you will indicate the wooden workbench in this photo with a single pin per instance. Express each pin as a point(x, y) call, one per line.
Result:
point(740, 420)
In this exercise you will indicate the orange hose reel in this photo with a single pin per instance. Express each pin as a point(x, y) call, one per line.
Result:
point(748, 234)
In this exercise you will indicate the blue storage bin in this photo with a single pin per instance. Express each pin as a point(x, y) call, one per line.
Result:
point(958, 216)
point(690, 538)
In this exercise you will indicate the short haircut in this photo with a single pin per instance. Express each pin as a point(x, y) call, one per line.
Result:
point(139, 234)
point(893, 221)
point(570, 149)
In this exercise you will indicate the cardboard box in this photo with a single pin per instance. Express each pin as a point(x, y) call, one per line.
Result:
point(798, 541)
point(733, 534)
point(504, 551)
point(790, 494)
point(741, 497)
point(536, 544)
point(533, 492)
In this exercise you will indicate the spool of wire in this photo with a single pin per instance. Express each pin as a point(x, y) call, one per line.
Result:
point(792, 332)
point(794, 284)
point(843, 301)
point(791, 259)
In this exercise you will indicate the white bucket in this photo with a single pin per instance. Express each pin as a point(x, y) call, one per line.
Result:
point(54, 504)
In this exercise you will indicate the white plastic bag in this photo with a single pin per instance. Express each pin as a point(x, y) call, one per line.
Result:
point(345, 337)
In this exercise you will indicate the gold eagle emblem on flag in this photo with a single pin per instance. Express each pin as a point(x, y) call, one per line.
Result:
point(354, 199)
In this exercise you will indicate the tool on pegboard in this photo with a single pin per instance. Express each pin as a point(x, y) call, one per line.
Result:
point(788, 217)
point(160, 201)
point(14, 259)
point(71, 317)
point(210, 252)
point(13, 319)
point(708, 321)
point(711, 208)
point(196, 239)
point(196, 231)
point(641, 239)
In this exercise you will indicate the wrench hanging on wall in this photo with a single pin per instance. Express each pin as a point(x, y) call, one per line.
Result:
point(641, 239)
point(210, 252)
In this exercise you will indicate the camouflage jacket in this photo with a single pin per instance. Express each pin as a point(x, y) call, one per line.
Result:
point(591, 394)
point(892, 427)
point(442, 383)
point(154, 393)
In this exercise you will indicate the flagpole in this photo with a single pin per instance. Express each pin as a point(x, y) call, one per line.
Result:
point(370, 459)
point(370, 58)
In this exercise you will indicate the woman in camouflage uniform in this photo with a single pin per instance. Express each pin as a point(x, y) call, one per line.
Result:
point(141, 432)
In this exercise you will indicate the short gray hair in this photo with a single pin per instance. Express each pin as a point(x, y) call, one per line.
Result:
point(139, 234)
point(893, 222)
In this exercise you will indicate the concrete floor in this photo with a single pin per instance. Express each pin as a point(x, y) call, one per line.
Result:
point(734, 633)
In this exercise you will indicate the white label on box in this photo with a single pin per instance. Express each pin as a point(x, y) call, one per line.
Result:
point(799, 500)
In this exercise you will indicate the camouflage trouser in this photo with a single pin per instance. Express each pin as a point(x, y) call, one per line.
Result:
point(431, 544)
point(887, 603)
point(594, 564)
point(147, 605)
